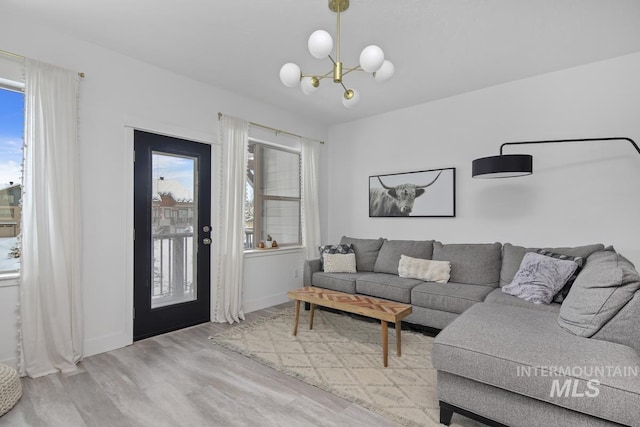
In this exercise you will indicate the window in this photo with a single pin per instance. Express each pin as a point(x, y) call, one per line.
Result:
point(273, 196)
point(11, 130)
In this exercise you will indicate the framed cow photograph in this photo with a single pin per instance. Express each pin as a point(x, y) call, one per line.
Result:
point(429, 193)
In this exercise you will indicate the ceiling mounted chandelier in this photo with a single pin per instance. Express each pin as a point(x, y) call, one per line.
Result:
point(321, 45)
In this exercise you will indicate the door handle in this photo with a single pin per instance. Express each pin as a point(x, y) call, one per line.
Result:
point(206, 241)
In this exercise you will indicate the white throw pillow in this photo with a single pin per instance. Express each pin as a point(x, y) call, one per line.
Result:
point(340, 263)
point(424, 269)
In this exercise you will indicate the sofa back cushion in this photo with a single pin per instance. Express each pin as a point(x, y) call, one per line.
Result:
point(512, 257)
point(607, 283)
point(389, 255)
point(623, 327)
point(366, 251)
point(474, 264)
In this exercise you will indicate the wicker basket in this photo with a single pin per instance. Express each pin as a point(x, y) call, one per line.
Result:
point(10, 388)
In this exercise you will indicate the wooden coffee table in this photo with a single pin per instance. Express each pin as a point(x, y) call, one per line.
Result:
point(385, 311)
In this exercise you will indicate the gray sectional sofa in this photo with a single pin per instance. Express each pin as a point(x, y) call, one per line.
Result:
point(503, 360)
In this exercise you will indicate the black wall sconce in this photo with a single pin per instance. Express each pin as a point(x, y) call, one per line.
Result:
point(512, 165)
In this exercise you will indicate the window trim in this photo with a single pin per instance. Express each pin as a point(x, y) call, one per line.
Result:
point(12, 277)
point(258, 198)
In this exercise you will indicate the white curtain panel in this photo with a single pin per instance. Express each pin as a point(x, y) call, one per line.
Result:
point(310, 206)
point(234, 136)
point(51, 311)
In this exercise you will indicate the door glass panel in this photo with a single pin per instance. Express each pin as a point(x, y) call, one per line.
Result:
point(174, 219)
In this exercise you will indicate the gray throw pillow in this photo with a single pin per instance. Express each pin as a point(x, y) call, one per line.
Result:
point(540, 277)
point(391, 250)
point(605, 285)
point(366, 251)
point(562, 293)
point(512, 257)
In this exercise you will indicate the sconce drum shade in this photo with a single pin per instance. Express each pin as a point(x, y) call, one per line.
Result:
point(503, 166)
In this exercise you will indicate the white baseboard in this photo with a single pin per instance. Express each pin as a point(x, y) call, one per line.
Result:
point(265, 302)
point(118, 340)
point(106, 343)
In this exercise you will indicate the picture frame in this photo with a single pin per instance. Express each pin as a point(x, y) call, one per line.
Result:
point(419, 194)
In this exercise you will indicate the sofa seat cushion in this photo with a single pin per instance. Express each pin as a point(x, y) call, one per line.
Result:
point(499, 297)
point(526, 352)
point(343, 282)
point(451, 297)
point(386, 286)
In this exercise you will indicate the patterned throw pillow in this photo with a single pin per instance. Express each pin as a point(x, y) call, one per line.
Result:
point(340, 263)
point(540, 277)
point(562, 294)
point(334, 249)
point(424, 269)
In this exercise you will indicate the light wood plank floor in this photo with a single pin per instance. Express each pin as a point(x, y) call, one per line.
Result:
point(181, 379)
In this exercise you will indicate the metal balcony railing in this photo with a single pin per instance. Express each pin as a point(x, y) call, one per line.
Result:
point(248, 238)
point(173, 266)
point(8, 213)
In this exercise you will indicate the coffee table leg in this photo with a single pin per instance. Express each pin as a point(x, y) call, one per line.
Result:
point(385, 343)
point(313, 310)
point(399, 337)
point(297, 316)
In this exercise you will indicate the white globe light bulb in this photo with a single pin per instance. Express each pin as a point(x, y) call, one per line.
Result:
point(385, 72)
point(320, 44)
point(309, 85)
point(290, 74)
point(351, 98)
point(371, 58)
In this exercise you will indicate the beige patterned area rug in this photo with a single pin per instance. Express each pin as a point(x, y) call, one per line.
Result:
point(343, 356)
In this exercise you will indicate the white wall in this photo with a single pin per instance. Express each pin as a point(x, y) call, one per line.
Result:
point(578, 194)
point(119, 90)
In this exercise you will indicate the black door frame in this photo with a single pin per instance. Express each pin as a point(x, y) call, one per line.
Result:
point(148, 322)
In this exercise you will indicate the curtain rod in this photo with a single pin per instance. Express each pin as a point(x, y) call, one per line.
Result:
point(277, 131)
point(15, 55)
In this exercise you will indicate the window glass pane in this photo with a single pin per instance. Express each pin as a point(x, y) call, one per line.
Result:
point(280, 173)
point(281, 219)
point(249, 200)
point(272, 197)
point(11, 130)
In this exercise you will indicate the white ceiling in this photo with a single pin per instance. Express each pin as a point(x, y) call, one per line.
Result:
point(440, 48)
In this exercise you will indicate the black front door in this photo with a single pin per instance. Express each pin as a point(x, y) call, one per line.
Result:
point(172, 214)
